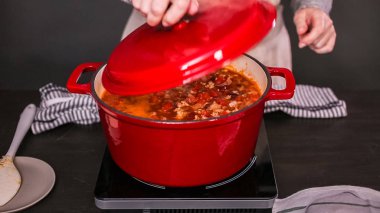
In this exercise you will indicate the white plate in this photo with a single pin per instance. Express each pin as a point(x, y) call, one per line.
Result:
point(38, 179)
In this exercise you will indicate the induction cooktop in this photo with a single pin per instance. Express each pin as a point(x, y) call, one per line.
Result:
point(253, 189)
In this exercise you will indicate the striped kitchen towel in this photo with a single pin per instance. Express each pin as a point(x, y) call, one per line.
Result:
point(341, 198)
point(59, 106)
point(310, 102)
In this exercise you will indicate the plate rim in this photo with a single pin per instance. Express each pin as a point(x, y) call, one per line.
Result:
point(49, 188)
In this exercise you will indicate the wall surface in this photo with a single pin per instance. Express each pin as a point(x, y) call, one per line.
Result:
point(42, 41)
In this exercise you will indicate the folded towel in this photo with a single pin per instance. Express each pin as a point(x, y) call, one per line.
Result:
point(347, 199)
point(310, 102)
point(59, 106)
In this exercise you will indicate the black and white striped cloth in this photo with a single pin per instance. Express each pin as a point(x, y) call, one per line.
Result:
point(310, 102)
point(59, 106)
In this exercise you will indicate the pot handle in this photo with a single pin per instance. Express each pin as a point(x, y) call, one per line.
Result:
point(72, 84)
point(286, 93)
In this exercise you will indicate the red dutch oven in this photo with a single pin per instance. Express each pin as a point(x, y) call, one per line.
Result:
point(185, 153)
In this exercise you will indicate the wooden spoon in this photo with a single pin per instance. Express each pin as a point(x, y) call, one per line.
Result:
point(10, 179)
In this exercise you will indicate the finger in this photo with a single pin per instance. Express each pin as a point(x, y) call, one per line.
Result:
point(194, 6)
point(324, 38)
point(176, 11)
point(136, 4)
point(316, 28)
point(145, 6)
point(301, 22)
point(157, 11)
point(329, 47)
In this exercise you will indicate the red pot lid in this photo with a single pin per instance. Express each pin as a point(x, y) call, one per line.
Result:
point(151, 59)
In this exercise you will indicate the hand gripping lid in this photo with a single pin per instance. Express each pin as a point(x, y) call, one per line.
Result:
point(151, 59)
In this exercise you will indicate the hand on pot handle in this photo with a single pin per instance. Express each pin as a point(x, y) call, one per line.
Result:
point(167, 12)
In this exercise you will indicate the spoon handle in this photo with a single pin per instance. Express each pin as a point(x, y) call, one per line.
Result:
point(26, 119)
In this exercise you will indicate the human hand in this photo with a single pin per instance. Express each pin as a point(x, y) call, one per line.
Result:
point(167, 12)
point(315, 29)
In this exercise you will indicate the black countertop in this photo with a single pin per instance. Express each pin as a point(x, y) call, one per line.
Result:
point(306, 152)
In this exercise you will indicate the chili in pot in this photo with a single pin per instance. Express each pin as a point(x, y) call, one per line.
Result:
point(220, 93)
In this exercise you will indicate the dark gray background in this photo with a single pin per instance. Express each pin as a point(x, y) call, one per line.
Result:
point(42, 41)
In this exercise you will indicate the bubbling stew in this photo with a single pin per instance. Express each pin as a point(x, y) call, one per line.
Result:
point(220, 93)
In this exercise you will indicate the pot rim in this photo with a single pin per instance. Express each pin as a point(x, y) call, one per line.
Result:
point(229, 117)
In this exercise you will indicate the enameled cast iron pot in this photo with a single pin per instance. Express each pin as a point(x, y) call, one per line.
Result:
point(184, 153)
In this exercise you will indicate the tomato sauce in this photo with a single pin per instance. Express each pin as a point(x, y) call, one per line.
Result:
point(219, 93)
